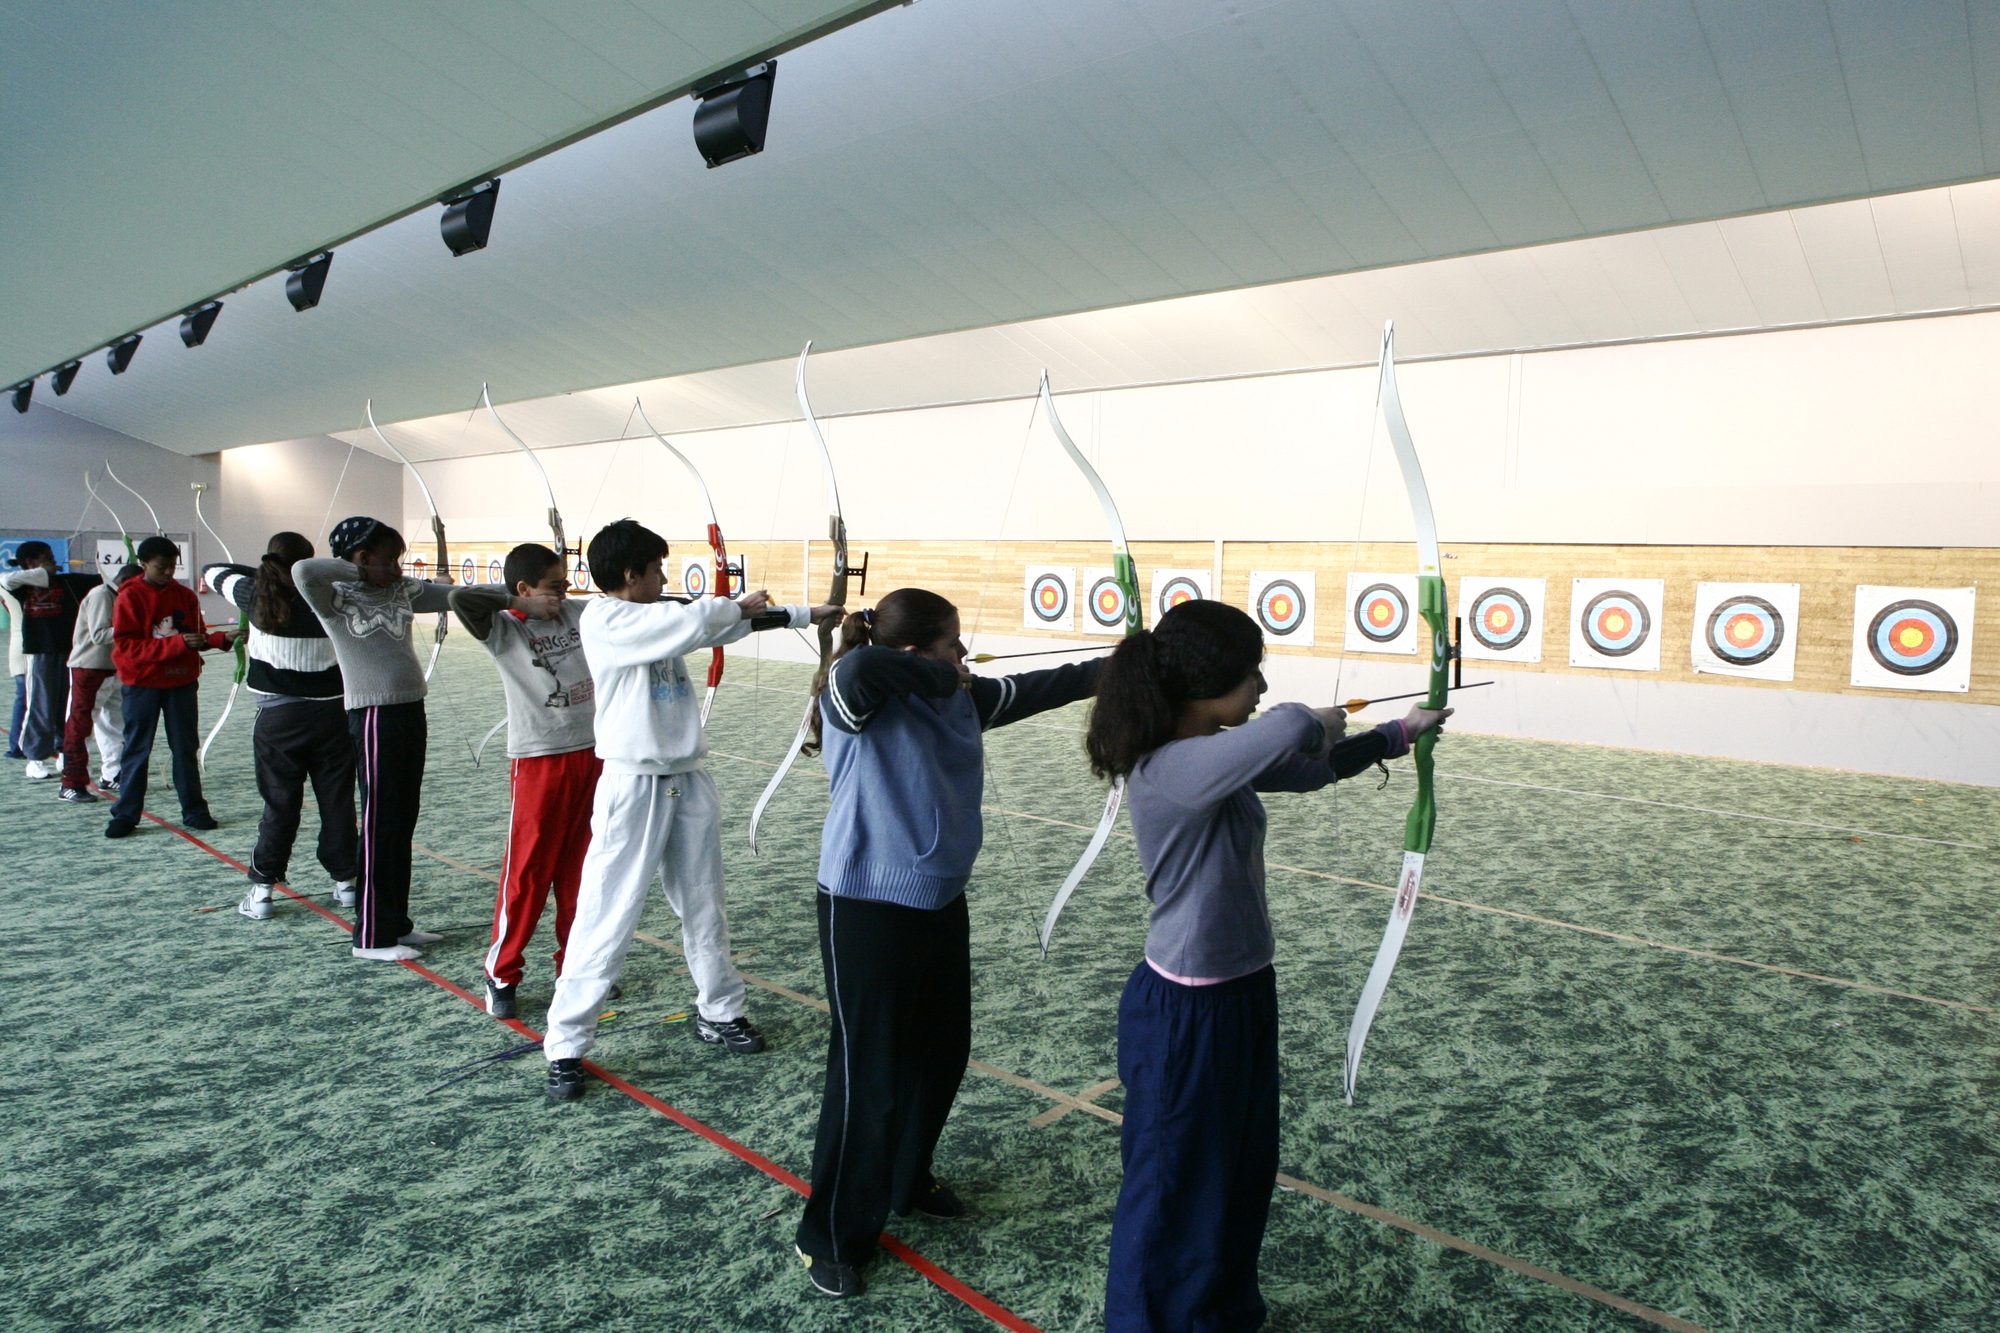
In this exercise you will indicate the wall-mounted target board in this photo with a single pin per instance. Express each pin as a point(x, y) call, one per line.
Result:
point(1913, 638)
point(1103, 601)
point(1282, 602)
point(1381, 614)
point(1171, 587)
point(1616, 623)
point(1746, 629)
point(1048, 597)
point(1503, 618)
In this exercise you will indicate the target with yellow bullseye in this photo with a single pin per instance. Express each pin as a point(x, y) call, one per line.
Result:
point(1047, 600)
point(1616, 623)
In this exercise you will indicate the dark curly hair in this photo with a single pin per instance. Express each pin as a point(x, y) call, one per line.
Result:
point(271, 608)
point(1199, 650)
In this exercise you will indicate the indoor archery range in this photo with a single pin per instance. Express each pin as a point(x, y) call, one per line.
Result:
point(1613, 378)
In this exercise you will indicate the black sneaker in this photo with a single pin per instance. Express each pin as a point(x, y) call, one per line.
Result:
point(499, 999)
point(109, 786)
point(120, 828)
point(939, 1201)
point(616, 992)
point(832, 1278)
point(76, 796)
point(200, 823)
point(565, 1080)
point(738, 1034)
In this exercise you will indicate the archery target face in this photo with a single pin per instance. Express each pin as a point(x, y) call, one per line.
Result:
point(465, 569)
point(1913, 638)
point(1503, 618)
point(1283, 603)
point(495, 569)
point(1171, 587)
point(1382, 613)
point(1103, 602)
point(1746, 629)
point(695, 576)
point(1616, 623)
point(579, 574)
point(1047, 600)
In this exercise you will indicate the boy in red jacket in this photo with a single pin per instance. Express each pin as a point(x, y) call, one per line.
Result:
point(157, 637)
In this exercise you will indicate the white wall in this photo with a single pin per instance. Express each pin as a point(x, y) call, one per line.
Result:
point(1876, 434)
point(45, 452)
point(304, 486)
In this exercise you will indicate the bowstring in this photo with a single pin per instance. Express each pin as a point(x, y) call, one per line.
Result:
point(1026, 896)
point(1339, 669)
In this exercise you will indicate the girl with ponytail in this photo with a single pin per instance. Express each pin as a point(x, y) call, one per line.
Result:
point(1198, 1022)
point(900, 720)
point(301, 731)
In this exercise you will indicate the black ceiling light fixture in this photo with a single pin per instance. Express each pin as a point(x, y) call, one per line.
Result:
point(22, 393)
point(731, 119)
point(196, 323)
point(468, 216)
point(307, 280)
point(64, 377)
point(119, 354)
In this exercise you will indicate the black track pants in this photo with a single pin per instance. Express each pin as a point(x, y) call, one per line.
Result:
point(899, 980)
point(389, 745)
point(297, 743)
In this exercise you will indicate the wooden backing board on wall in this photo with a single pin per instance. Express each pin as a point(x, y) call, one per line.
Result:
point(984, 579)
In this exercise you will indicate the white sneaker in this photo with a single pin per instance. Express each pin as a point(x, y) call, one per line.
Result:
point(395, 953)
point(37, 771)
point(257, 903)
point(344, 894)
point(419, 937)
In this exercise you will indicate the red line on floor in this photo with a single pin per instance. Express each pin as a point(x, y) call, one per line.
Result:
point(944, 1281)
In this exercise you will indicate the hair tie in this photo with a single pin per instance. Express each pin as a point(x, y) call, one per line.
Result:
point(868, 617)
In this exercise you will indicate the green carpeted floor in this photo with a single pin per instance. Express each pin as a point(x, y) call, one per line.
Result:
point(212, 1123)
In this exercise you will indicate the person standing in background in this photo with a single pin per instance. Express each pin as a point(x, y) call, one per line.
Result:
point(95, 696)
point(301, 730)
point(49, 602)
point(17, 667)
point(157, 638)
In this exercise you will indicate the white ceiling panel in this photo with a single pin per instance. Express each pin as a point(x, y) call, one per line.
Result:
point(965, 164)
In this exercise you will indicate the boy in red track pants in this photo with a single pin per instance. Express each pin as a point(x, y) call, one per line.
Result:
point(550, 748)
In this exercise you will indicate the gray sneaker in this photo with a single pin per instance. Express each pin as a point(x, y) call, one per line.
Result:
point(344, 893)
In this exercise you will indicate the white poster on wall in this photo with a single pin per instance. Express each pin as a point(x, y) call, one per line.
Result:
point(1171, 587)
point(1048, 597)
point(1616, 623)
point(1381, 614)
point(111, 555)
point(1913, 638)
point(1103, 601)
point(1746, 629)
point(1283, 603)
point(1503, 618)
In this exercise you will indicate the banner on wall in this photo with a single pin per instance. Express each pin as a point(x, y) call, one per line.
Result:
point(1283, 603)
point(1913, 638)
point(111, 555)
point(1171, 587)
point(1103, 601)
point(1048, 598)
point(1504, 618)
point(1381, 614)
point(1616, 623)
point(1746, 629)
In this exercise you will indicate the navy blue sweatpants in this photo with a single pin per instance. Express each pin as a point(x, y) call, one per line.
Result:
point(1200, 1148)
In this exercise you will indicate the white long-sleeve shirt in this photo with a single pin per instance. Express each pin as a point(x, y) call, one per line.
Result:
point(90, 644)
point(648, 714)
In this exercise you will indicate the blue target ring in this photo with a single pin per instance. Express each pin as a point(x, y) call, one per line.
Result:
point(1107, 603)
point(1912, 638)
point(1500, 619)
point(1381, 612)
point(1281, 607)
point(1745, 630)
point(1616, 623)
point(493, 570)
point(694, 580)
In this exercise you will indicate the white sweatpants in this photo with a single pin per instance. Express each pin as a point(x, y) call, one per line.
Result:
point(107, 725)
point(640, 826)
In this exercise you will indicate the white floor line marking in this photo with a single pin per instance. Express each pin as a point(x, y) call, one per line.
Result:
point(1710, 810)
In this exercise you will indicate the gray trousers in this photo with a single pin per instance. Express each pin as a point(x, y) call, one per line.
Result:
point(48, 705)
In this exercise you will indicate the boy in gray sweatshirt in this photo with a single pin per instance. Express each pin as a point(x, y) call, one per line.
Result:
point(533, 630)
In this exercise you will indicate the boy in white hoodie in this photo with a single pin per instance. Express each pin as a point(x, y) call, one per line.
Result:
point(94, 695)
point(655, 808)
